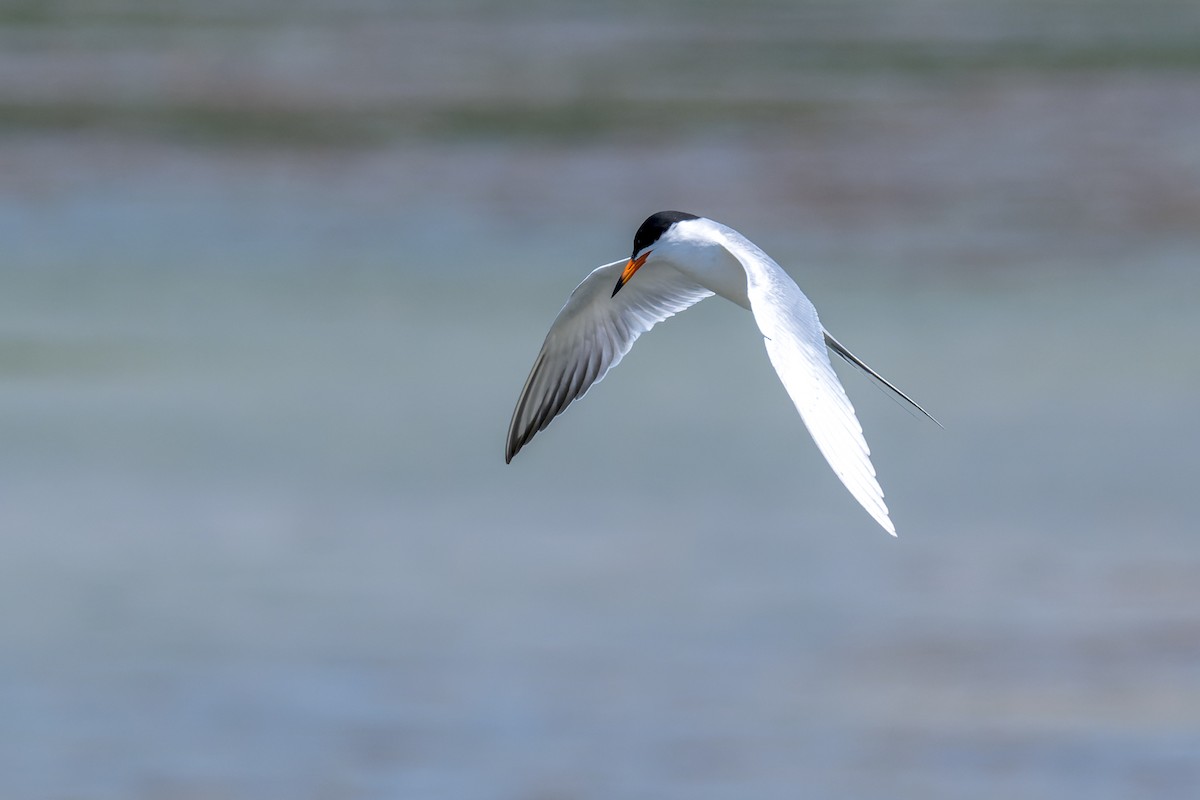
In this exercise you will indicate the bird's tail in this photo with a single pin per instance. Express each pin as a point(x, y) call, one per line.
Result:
point(841, 350)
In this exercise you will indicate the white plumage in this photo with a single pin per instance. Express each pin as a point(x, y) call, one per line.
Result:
point(678, 260)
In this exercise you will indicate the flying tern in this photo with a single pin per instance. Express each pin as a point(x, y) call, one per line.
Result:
point(678, 260)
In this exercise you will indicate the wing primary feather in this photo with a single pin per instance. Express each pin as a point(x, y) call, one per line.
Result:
point(591, 334)
point(517, 428)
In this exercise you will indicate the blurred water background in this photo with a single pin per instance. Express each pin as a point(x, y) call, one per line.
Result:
point(273, 274)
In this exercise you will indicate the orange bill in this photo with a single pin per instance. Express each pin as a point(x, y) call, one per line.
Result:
point(633, 266)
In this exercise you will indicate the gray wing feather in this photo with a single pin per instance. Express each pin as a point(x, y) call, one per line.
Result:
point(590, 336)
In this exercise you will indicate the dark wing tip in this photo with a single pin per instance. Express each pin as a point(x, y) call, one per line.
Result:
point(513, 447)
point(516, 440)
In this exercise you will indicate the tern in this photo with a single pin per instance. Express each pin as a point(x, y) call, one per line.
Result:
point(678, 260)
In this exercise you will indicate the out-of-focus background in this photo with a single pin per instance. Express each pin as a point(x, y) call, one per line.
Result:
point(273, 274)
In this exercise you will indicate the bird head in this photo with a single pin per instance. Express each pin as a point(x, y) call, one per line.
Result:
point(644, 240)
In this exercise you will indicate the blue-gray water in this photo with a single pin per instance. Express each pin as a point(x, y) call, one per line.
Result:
point(258, 539)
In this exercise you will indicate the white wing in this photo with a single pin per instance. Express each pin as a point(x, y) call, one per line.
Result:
point(590, 336)
point(795, 342)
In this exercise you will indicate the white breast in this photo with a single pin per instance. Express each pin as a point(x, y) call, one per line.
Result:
point(699, 249)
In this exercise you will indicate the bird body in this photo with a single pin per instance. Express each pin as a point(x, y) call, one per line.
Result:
point(709, 253)
point(678, 260)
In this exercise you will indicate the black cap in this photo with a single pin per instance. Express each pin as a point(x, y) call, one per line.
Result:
point(655, 226)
